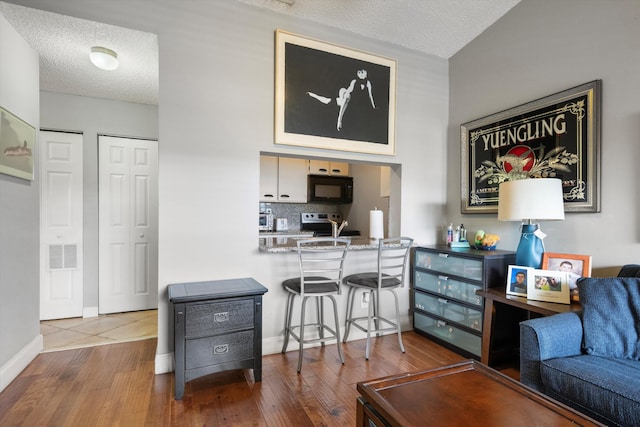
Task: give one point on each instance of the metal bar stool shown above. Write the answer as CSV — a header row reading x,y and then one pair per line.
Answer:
x,y
321,262
393,254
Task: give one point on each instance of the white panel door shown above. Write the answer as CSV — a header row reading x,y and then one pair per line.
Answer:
x,y
128,200
60,225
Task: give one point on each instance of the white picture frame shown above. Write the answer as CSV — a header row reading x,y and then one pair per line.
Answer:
x,y
332,97
548,286
517,280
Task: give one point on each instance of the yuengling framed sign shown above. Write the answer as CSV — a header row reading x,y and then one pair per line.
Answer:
x,y
553,137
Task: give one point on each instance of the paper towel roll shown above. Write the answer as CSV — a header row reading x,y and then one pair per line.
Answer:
x,y
376,225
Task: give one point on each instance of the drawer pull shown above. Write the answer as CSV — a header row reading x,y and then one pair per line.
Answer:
x,y
441,255
442,301
221,349
443,277
221,317
440,323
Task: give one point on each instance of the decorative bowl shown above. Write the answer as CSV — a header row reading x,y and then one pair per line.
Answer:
x,y
485,248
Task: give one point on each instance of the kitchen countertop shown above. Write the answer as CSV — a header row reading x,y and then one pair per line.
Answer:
x,y
287,244
286,233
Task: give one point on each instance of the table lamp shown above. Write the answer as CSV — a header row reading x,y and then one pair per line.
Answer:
x,y
527,200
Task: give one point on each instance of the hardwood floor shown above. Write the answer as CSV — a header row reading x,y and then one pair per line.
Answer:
x,y
115,385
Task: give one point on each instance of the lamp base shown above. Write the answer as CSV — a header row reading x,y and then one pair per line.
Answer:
x,y
530,248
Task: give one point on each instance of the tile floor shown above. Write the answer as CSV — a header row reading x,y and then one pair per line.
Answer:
x,y
65,334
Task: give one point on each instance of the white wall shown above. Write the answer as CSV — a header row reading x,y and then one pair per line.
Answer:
x,y
216,115
367,195
541,47
20,338
93,116
206,225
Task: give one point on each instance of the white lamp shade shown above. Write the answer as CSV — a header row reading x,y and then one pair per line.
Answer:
x,y
103,58
526,199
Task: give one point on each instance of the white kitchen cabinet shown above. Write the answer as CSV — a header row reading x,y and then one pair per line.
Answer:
x,y
325,167
292,180
268,179
283,179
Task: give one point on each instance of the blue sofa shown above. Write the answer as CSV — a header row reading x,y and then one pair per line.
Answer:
x,y
589,361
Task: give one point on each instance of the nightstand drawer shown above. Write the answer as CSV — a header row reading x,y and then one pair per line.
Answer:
x,y
219,349
466,316
448,333
448,287
218,317
446,263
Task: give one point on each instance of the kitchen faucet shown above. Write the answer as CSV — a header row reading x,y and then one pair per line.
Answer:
x,y
335,230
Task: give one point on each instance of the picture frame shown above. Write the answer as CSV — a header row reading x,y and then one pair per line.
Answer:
x,y
332,97
17,144
558,136
548,286
517,280
574,265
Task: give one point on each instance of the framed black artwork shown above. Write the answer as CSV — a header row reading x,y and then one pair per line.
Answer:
x,y
331,97
553,137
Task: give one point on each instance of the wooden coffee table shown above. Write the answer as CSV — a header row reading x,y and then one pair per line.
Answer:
x,y
465,394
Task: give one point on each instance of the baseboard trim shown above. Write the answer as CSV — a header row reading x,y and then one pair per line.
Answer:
x,y
10,370
90,312
164,363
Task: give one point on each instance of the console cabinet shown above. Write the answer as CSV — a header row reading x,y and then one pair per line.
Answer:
x,y
446,307
217,327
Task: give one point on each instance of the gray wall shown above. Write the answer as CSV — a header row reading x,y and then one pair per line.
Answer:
x,y
541,47
93,116
216,116
19,211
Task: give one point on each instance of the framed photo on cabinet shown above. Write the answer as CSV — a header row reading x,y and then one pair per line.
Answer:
x,y
575,266
549,286
332,97
517,280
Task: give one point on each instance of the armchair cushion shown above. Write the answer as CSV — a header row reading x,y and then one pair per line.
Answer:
x,y
603,388
611,316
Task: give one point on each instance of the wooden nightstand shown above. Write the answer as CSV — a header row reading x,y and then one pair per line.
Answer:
x,y
217,327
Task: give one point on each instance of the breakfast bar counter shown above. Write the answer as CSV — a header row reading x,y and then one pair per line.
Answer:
x,y
287,244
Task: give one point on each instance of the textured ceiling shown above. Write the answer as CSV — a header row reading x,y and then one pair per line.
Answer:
x,y
435,27
64,44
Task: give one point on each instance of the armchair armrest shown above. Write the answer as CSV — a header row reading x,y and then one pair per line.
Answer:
x,y
546,338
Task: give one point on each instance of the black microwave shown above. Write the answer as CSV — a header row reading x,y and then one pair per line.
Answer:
x,y
330,189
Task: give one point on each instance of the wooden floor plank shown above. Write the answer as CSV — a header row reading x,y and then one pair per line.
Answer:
x,y
115,385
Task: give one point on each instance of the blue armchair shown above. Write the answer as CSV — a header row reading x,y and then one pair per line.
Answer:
x,y
589,361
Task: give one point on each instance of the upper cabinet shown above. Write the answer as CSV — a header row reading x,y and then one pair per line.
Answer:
x,y
268,179
283,179
325,167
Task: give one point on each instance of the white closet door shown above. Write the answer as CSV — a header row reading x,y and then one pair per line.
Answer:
x,y
128,218
60,225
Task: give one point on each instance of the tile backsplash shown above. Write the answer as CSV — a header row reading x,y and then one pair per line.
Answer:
x,y
292,211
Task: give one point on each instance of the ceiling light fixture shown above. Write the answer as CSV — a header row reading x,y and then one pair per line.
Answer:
x,y
103,58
